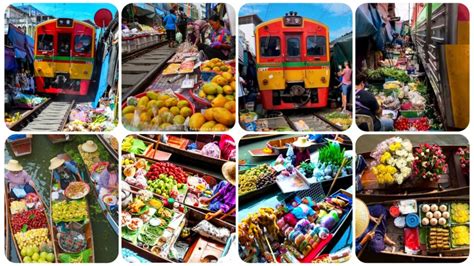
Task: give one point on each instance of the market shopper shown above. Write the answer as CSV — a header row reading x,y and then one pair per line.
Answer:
x,y
220,40
367,104
182,23
196,31
223,199
64,171
18,180
170,27
346,83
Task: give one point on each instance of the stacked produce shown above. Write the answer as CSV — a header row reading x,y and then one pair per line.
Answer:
x,y
156,111
460,235
30,230
69,211
256,178
438,238
162,169
460,213
343,120
165,186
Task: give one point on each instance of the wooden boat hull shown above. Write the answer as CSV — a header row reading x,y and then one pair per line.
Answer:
x,y
453,184
211,180
9,231
193,214
21,147
87,230
455,255
109,216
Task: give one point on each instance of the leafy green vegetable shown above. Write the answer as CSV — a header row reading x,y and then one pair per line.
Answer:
x,y
331,154
307,168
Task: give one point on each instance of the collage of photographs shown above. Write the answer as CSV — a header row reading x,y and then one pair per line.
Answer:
x,y
230,132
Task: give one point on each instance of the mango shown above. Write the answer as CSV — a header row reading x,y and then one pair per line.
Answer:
x,y
228,76
210,97
128,109
171,102
167,117
230,97
145,117
230,105
220,127
196,121
209,88
182,103
178,120
152,95
128,117
202,94
224,116
165,126
143,101
208,114
228,89
185,111
208,126
163,110
174,110
219,101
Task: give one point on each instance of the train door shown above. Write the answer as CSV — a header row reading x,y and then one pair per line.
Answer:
x,y
293,58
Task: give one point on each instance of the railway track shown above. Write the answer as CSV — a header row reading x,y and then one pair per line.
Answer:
x,y
140,68
49,116
315,121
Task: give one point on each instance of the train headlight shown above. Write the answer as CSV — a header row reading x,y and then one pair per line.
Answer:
x,y
265,82
323,79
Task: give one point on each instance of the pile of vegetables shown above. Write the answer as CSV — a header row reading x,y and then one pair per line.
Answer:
x,y
388,72
307,168
33,237
30,219
170,169
165,185
69,211
332,154
256,178
133,145
344,120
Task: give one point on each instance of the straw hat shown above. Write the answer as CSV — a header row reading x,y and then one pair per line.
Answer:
x,y
228,171
55,163
362,217
13,165
302,142
89,146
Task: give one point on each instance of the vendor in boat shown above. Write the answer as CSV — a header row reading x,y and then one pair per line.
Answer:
x,y
301,151
223,198
371,228
108,179
19,181
64,171
367,104
220,40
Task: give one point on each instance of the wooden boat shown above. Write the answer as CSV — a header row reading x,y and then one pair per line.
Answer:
x,y
87,228
280,146
211,180
111,216
452,255
58,138
455,182
9,231
193,217
21,146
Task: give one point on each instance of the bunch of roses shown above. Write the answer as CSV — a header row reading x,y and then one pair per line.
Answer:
x,y
430,162
463,154
393,160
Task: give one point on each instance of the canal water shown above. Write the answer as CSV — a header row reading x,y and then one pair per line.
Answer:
x,y
36,164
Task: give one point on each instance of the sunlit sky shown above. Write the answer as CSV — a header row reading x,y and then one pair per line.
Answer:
x,y
77,11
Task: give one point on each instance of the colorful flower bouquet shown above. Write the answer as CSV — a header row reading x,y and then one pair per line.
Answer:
x,y
430,162
463,154
393,161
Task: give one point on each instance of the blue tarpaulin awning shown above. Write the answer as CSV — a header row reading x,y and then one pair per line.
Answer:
x,y
18,39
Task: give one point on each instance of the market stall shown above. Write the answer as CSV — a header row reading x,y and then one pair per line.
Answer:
x,y
294,210
189,95
199,204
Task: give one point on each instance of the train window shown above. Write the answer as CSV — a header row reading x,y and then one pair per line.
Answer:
x,y
270,46
64,44
316,45
293,46
45,42
82,44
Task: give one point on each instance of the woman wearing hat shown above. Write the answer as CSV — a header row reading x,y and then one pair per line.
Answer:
x,y
223,198
19,181
64,171
369,229
301,151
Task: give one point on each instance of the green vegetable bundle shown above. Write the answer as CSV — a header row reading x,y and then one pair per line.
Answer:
x,y
332,154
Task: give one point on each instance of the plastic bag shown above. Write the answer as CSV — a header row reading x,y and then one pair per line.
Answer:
x,y
211,150
206,229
